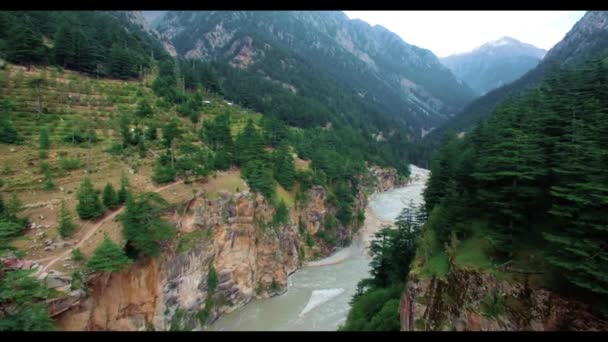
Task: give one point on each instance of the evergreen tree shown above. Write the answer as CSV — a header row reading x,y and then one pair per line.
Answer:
x,y
281,215
48,179
8,133
125,131
163,172
170,132
142,226
284,167
43,140
65,226
63,49
108,257
89,206
123,192
248,144
24,45
143,109
109,196
25,296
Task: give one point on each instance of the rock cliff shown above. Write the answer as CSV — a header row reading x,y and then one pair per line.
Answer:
x,y
234,235
477,301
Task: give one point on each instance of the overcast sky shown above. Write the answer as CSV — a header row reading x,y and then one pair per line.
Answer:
x,y
449,32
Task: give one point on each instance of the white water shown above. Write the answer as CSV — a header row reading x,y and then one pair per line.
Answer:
x,y
318,295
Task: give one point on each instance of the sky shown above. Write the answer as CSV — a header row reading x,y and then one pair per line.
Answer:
x,y
449,32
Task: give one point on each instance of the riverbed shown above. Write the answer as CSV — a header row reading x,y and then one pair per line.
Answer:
x,y
318,295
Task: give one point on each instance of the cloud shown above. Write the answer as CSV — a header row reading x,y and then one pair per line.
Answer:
x,y
449,32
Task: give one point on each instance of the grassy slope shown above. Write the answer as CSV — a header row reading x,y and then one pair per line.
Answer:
x,y
69,95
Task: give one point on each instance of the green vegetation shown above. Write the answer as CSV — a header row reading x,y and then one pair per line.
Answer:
x,y
109,197
87,41
8,132
531,177
48,178
65,226
89,206
142,227
281,215
376,302
187,241
211,279
108,257
77,255
43,143
24,297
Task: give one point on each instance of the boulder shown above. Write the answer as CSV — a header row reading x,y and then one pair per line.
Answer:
x,y
57,280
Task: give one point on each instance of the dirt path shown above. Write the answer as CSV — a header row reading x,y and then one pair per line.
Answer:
x,y
91,231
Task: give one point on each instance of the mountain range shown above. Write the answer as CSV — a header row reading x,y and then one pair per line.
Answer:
x,y
494,64
305,51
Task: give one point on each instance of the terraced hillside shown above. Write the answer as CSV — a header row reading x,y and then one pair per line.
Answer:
x,y
74,102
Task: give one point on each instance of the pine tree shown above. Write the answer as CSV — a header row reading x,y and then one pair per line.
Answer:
x,y
25,296
108,257
163,172
125,132
142,226
170,132
109,197
281,214
143,109
89,206
63,49
248,144
123,192
65,226
8,133
284,167
48,180
43,140
24,45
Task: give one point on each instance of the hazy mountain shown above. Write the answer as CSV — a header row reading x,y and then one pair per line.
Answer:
x,y
297,49
587,39
494,64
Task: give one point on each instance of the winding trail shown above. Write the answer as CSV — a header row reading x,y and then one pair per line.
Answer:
x,y
91,231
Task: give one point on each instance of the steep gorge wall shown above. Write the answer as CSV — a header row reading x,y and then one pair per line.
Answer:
x,y
233,233
475,301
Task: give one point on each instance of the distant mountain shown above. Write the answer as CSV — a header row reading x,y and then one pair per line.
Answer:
x,y
494,64
325,57
153,17
588,39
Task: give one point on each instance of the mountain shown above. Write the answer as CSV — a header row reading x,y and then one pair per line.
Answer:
x,y
587,39
326,58
153,17
494,64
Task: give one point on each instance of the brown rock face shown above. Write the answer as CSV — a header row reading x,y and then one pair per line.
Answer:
x,y
232,233
385,179
124,300
473,301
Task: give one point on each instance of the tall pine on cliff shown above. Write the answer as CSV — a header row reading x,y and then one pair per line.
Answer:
x,y
534,171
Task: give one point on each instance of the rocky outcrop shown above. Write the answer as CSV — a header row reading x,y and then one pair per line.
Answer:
x,y
234,235
384,178
475,301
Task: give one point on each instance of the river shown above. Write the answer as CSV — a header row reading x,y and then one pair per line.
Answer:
x,y
318,295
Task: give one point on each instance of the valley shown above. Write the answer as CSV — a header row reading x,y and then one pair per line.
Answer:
x,y
299,171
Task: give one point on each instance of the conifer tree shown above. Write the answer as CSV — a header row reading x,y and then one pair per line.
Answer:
x,y
123,192
89,206
284,167
108,257
65,226
109,196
